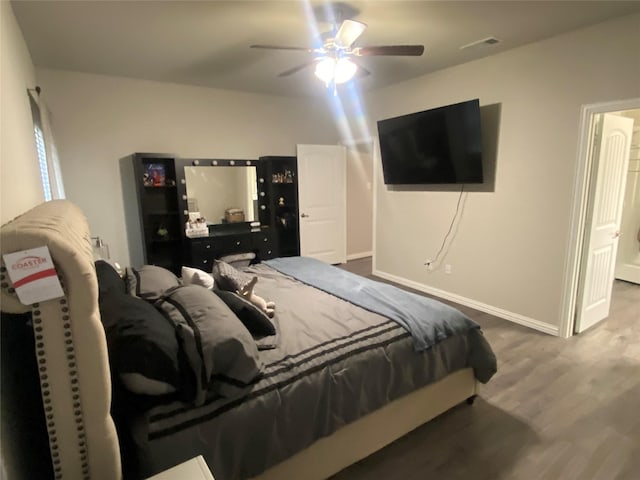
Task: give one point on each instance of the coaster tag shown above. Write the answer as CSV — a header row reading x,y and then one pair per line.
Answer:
x,y
33,275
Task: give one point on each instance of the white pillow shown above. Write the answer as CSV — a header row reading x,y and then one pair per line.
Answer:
x,y
194,276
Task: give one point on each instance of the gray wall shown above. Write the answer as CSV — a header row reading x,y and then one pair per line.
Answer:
x,y
20,187
509,250
100,119
359,200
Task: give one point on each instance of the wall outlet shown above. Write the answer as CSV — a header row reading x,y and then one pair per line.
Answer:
x,y
447,268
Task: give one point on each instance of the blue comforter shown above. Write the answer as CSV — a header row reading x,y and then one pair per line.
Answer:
x,y
428,321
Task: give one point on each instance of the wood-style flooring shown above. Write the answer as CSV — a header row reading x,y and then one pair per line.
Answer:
x,y
558,409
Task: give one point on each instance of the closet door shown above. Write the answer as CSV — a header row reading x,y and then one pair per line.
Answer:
x,y
628,258
611,159
322,193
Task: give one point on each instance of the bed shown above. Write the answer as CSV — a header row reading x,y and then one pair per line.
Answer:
x,y
338,379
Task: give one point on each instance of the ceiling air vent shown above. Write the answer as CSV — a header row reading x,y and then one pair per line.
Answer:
x,y
484,41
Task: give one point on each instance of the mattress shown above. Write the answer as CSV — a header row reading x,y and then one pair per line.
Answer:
x,y
335,362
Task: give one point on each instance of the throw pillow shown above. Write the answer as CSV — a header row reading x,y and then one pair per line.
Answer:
x,y
142,344
256,321
229,278
220,350
194,276
149,281
108,278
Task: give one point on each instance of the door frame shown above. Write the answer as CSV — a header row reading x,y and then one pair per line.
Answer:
x,y
582,194
370,143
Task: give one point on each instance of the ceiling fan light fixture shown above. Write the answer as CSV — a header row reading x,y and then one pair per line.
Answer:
x,y
325,68
345,70
338,71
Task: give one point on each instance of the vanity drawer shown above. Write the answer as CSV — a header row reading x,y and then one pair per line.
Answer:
x,y
227,244
265,244
202,253
203,247
202,262
205,250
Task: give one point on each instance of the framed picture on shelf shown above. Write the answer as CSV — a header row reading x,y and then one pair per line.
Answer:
x,y
154,175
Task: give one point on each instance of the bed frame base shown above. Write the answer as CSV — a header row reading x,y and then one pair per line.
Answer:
x,y
369,434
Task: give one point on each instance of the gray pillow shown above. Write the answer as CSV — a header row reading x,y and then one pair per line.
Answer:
x,y
108,278
229,278
149,281
262,328
220,350
143,348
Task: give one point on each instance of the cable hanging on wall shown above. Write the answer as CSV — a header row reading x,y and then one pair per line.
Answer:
x,y
431,264
36,89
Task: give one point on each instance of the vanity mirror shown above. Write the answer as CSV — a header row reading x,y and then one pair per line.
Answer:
x,y
222,191
229,194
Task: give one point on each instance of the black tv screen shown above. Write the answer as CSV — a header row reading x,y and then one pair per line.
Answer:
x,y
441,145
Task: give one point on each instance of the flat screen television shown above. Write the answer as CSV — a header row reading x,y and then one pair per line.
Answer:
x,y
440,145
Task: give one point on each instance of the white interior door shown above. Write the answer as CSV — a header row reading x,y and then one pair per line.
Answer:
x,y
628,258
611,157
322,199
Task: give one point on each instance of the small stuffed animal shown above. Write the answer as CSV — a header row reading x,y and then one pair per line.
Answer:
x,y
258,301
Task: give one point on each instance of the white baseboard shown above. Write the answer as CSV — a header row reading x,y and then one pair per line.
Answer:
x,y
467,302
356,256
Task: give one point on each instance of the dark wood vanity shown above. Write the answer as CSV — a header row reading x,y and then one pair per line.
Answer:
x,y
163,192
204,250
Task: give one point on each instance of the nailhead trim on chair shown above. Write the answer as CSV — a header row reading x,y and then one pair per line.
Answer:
x,y
44,388
4,281
46,393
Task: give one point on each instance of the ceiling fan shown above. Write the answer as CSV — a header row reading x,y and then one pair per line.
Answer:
x,y
333,59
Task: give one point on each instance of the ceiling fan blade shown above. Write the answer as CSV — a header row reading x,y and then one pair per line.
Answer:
x,y
279,47
399,50
349,32
362,72
296,69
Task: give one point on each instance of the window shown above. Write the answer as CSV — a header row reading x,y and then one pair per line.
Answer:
x,y
47,157
42,160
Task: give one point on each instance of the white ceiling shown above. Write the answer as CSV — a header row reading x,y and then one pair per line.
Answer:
x,y
206,43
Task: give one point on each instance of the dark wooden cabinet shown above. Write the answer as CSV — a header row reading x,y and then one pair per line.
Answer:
x,y
265,244
156,210
278,192
206,249
151,210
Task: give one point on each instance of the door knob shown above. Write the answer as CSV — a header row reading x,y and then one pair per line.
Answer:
x,y
616,234
304,215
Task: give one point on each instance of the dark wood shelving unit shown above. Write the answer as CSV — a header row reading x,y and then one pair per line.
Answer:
x,y
152,214
278,185
156,214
